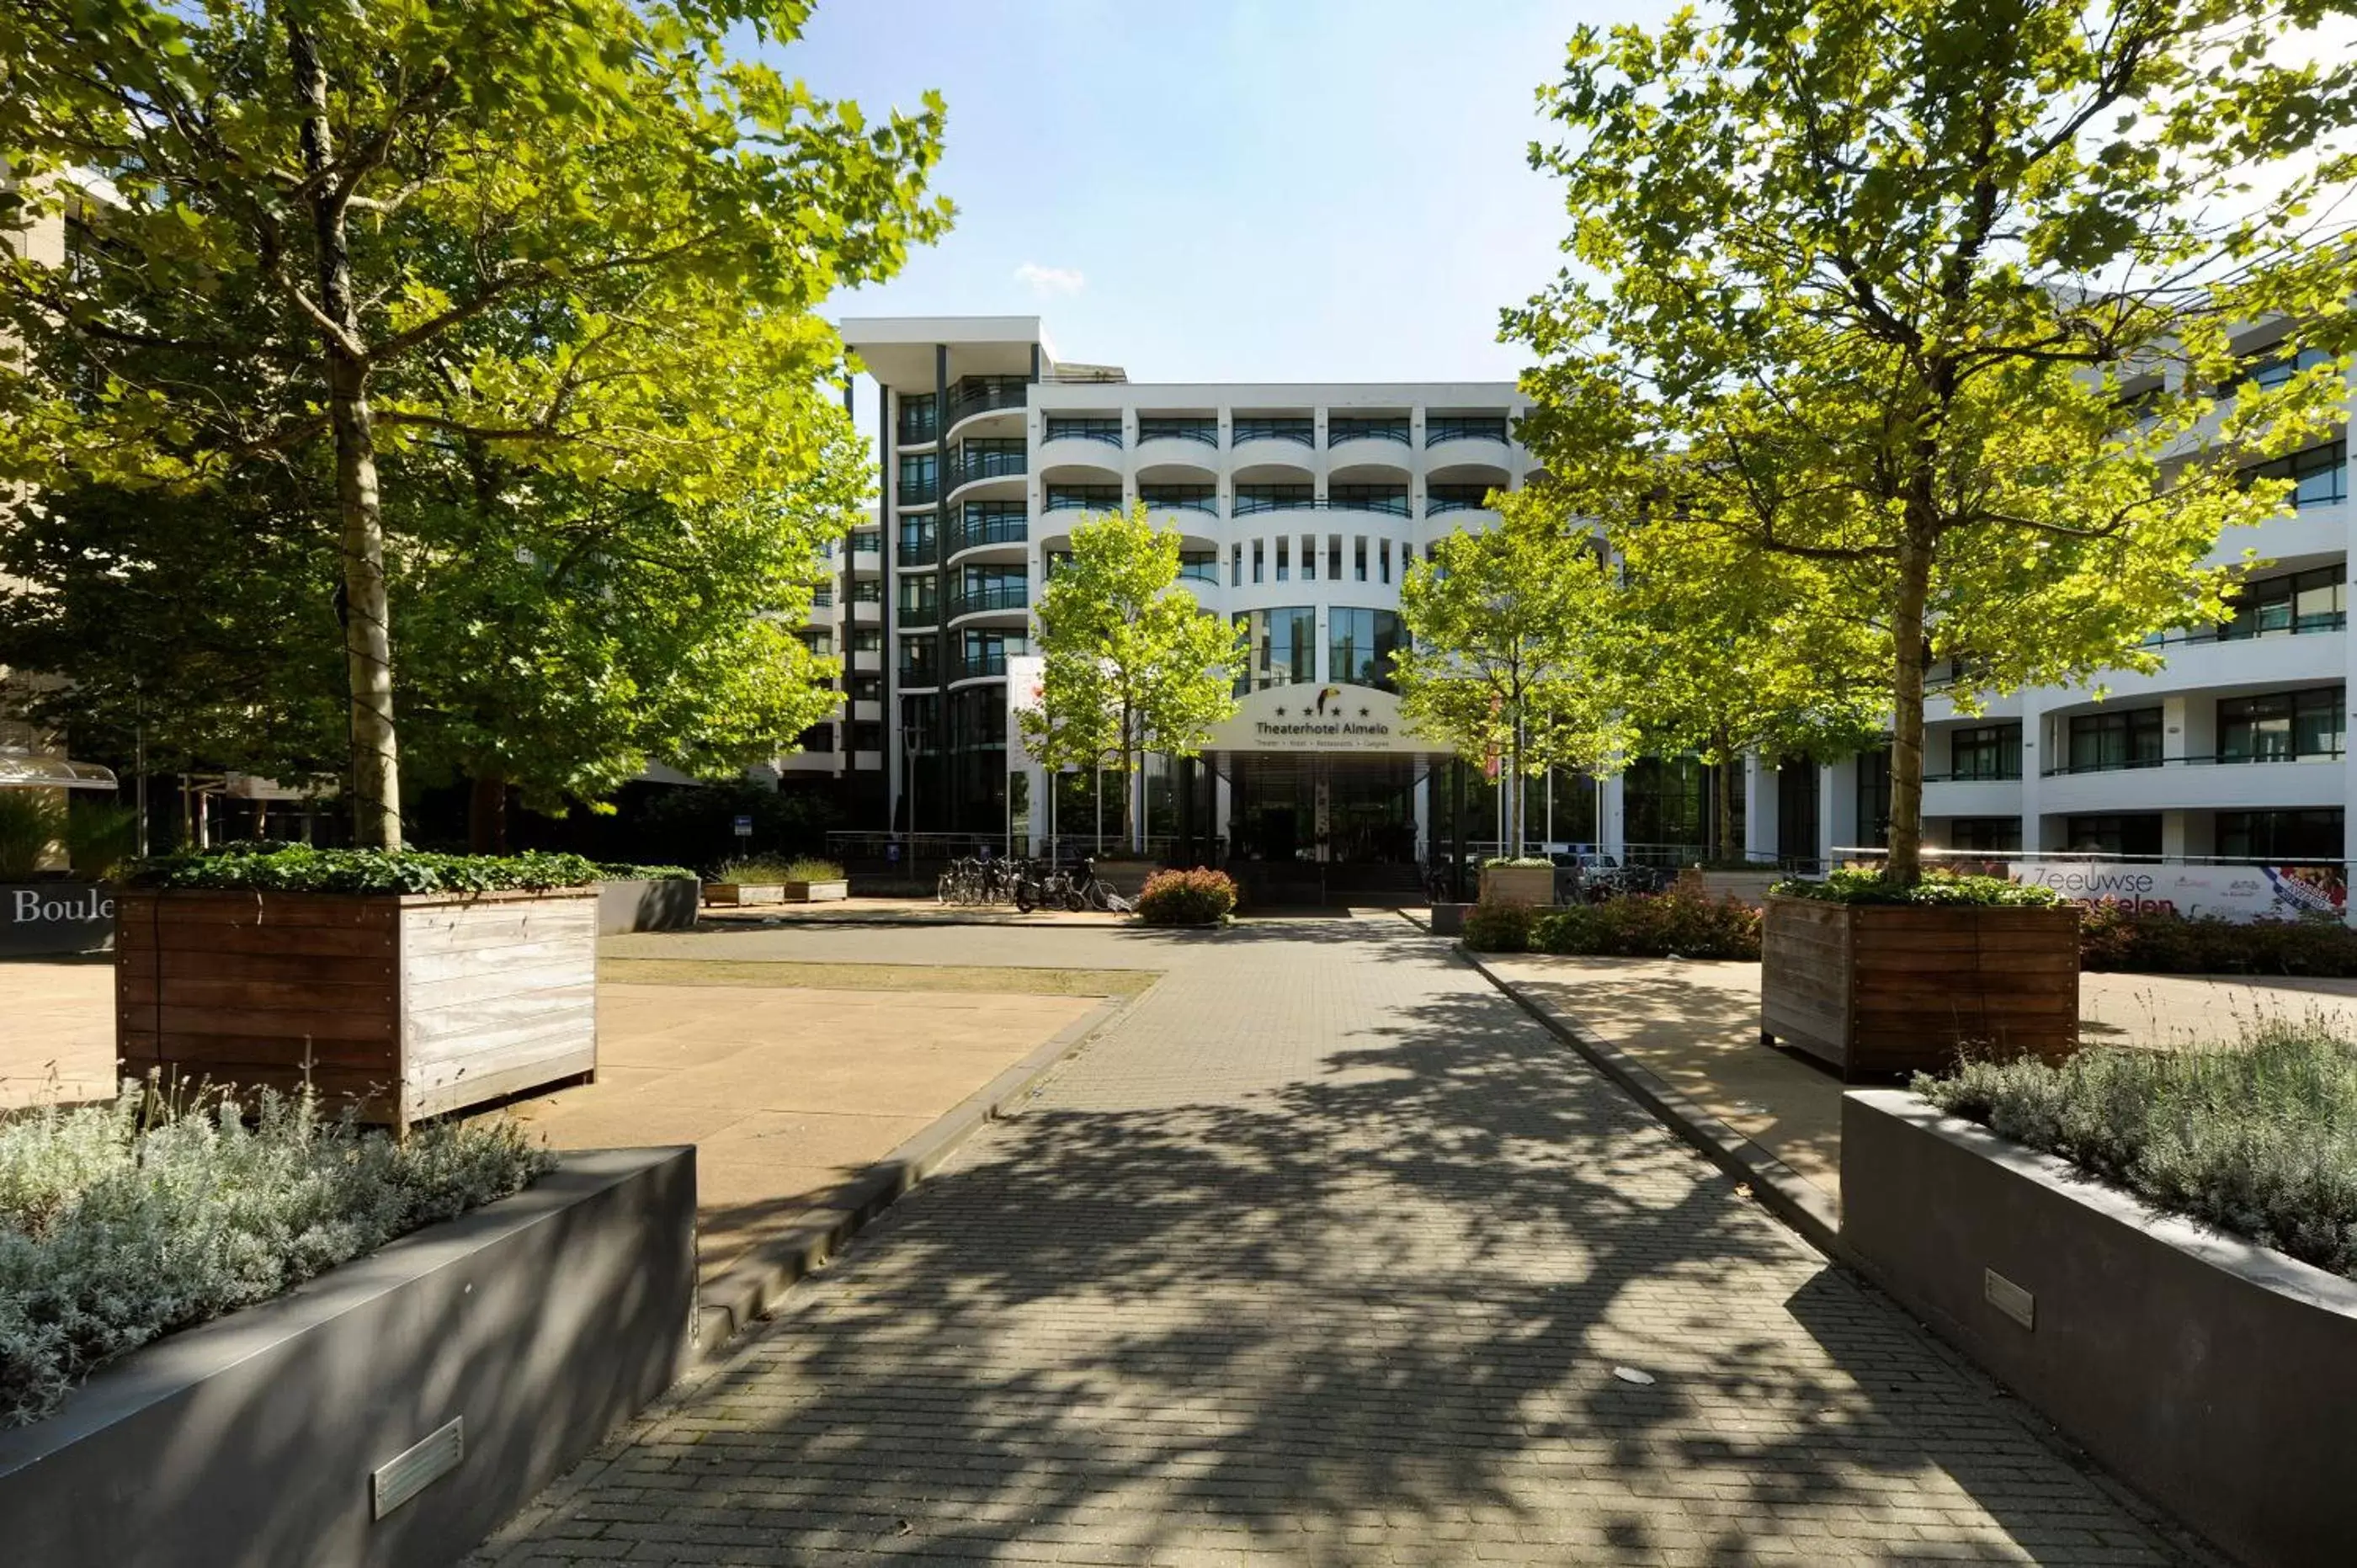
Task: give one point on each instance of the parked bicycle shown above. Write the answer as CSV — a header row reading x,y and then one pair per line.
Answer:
x,y
975,880
1039,886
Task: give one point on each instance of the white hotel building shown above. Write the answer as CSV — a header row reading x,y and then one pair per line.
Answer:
x,y
1299,507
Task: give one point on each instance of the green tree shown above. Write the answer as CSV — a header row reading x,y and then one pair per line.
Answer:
x,y
582,237
1941,297
1514,634
558,646
1132,663
1752,667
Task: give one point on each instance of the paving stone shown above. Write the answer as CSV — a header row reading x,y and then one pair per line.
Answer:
x,y
1325,1254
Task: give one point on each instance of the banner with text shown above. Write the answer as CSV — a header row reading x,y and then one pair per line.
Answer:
x,y
2241,893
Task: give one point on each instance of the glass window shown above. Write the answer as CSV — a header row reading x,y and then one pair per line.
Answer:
x,y
867,639
1874,797
1384,557
2319,476
1200,566
1438,498
1440,427
818,640
920,477
919,417
867,591
1254,498
1204,428
1258,560
1985,751
2000,835
918,543
2136,832
1299,427
1661,808
2101,742
917,661
868,688
1067,427
1391,498
1236,567
818,737
919,591
2281,725
2279,367
2281,835
867,540
1181,497
1359,557
1342,427
2288,605
1360,645
1284,549
1082,497
1282,649
1333,557
867,736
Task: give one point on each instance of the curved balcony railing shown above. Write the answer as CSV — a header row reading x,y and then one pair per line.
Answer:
x,y
993,460
919,550
914,618
1300,429
1465,427
917,492
1107,431
997,596
986,395
1177,428
1082,497
1439,499
2221,759
981,522
1204,498
1249,503
976,666
1347,427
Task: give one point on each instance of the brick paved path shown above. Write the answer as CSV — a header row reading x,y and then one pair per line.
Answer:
x,y
1326,1255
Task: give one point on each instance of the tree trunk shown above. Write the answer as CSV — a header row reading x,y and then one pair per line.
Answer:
x,y
1905,866
486,814
1729,847
368,640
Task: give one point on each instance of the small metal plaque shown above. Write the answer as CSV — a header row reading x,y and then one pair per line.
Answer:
x,y
412,1470
2010,1299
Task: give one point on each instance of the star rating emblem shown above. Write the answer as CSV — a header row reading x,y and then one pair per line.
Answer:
x,y
1362,713
1280,713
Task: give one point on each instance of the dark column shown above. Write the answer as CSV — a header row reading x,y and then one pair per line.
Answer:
x,y
1186,855
938,745
1457,828
887,521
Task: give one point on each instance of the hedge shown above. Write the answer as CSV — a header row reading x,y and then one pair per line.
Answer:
x,y
2114,936
1852,885
302,868
1682,923
1197,898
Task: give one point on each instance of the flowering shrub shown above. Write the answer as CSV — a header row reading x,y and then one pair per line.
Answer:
x,y
2112,937
1498,925
1197,898
1684,922
119,1223
2257,1138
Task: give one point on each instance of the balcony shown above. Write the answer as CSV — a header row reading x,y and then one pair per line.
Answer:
x,y
980,665
2196,783
916,492
1440,499
919,549
915,618
1342,429
2314,650
986,460
986,395
1441,428
1958,795
1204,498
1082,497
1107,432
1202,429
978,523
1300,429
920,676
1387,500
994,598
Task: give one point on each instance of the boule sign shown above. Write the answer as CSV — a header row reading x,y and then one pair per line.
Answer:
x,y
56,917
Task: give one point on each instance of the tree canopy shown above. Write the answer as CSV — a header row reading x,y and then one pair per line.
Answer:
x,y
1512,660
1131,663
1945,301
578,245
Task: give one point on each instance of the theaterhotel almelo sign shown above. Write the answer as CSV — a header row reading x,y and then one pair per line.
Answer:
x,y
1328,719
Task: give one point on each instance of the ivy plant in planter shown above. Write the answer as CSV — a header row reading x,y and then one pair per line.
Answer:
x,y
410,984
1876,977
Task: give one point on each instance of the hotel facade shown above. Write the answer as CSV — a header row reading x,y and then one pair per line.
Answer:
x,y
1299,508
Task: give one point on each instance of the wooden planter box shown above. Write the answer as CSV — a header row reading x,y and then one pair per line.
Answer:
x,y
1894,988
1532,885
817,892
505,1343
414,1004
2217,1376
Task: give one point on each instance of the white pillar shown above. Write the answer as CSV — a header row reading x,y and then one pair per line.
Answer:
x,y
1837,810
1611,834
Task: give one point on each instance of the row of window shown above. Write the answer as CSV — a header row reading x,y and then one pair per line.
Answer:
x,y
972,652
2277,726
1299,428
1253,500
1281,646
1273,560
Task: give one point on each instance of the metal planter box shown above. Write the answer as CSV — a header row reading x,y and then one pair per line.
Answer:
x,y
414,1004
2218,1376
1895,988
279,1434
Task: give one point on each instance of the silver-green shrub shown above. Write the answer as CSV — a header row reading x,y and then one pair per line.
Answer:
x,y
123,1222
2257,1138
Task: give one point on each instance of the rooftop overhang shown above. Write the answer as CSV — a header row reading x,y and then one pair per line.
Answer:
x,y
897,351
36,770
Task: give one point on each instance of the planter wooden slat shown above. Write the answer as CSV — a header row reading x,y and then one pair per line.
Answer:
x,y
1879,989
494,994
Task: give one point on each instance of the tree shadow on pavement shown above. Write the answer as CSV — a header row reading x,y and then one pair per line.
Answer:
x,y
1391,1306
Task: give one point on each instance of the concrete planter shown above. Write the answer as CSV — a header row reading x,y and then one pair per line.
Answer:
x,y
816,892
537,1325
641,904
2218,1376
1751,886
409,1003
1893,988
743,893
59,916
1449,919
1532,885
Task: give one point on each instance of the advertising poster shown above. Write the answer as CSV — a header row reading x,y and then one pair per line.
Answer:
x,y
2239,893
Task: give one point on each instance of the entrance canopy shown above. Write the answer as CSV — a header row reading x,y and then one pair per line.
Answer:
x,y
1329,720
35,769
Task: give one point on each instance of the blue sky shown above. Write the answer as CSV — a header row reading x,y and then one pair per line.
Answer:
x,y
1226,189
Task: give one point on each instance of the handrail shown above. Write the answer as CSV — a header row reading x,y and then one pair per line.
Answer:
x,y
1300,429
1178,427
1105,430
1467,427
1349,428
1162,499
1251,505
984,394
2224,759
